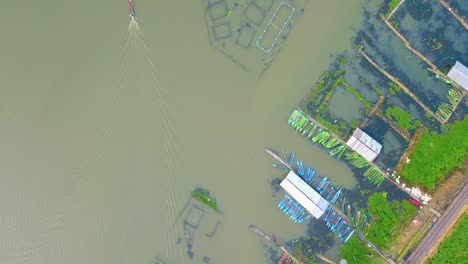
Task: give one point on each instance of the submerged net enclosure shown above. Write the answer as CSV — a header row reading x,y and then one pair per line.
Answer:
x,y
251,32
433,30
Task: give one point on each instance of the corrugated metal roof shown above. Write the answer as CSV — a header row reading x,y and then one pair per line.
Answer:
x,y
459,74
365,145
305,195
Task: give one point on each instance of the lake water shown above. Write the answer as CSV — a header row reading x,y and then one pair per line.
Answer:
x,y
98,159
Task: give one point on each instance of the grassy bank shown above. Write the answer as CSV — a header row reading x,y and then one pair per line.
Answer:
x,y
453,249
355,252
436,154
387,219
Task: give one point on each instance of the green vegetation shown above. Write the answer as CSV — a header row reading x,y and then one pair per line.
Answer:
x,y
376,89
348,87
403,119
393,88
453,249
355,123
392,5
374,176
342,60
329,94
332,127
433,43
355,252
204,197
435,155
387,219
445,109
394,24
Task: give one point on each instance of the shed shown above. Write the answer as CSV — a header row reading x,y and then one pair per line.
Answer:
x,y
305,195
459,74
364,144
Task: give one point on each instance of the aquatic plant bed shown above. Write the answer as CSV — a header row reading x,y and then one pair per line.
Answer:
x,y
335,103
251,33
204,197
315,133
436,154
433,31
453,248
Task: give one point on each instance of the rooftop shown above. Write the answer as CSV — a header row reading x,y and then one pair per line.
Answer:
x,y
459,74
364,144
305,195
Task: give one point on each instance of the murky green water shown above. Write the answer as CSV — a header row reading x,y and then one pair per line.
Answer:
x,y
90,173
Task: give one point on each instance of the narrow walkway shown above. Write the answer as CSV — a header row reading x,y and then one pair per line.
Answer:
x,y
408,45
459,18
395,9
402,86
439,230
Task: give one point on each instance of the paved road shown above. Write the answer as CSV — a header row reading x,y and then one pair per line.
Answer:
x,y
434,235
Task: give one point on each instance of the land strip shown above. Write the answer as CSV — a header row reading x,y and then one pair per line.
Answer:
x,y
440,229
395,9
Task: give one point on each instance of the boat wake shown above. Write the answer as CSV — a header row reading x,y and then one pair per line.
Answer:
x,y
137,38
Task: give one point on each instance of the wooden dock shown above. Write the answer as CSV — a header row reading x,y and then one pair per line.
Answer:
x,y
276,242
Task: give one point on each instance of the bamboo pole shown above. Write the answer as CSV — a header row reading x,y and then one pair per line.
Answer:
x,y
408,45
402,86
459,18
394,10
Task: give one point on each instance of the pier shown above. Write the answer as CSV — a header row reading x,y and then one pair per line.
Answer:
x,y
403,87
344,144
333,207
275,242
408,46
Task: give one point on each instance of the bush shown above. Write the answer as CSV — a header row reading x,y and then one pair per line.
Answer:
x,y
435,155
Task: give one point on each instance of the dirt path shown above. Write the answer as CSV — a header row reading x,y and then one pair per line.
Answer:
x,y
438,231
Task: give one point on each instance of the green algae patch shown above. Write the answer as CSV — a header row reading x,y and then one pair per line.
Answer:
x,y
204,197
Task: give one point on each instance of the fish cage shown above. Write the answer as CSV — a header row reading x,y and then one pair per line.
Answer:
x,y
251,32
394,144
433,31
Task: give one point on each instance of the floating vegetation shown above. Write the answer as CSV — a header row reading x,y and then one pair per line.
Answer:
x,y
445,109
393,88
392,5
348,87
374,176
433,44
357,160
404,120
204,197
338,151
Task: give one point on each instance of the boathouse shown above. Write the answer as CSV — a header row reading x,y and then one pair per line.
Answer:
x,y
459,74
305,195
364,144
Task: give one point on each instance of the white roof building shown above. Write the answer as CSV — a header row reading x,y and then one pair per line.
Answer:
x,y
363,144
305,195
459,74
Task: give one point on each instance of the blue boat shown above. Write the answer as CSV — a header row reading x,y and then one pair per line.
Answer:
x,y
336,196
324,187
330,193
322,182
291,158
349,236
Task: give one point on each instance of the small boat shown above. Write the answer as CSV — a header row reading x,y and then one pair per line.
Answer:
x,y
322,182
349,236
336,196
416,203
